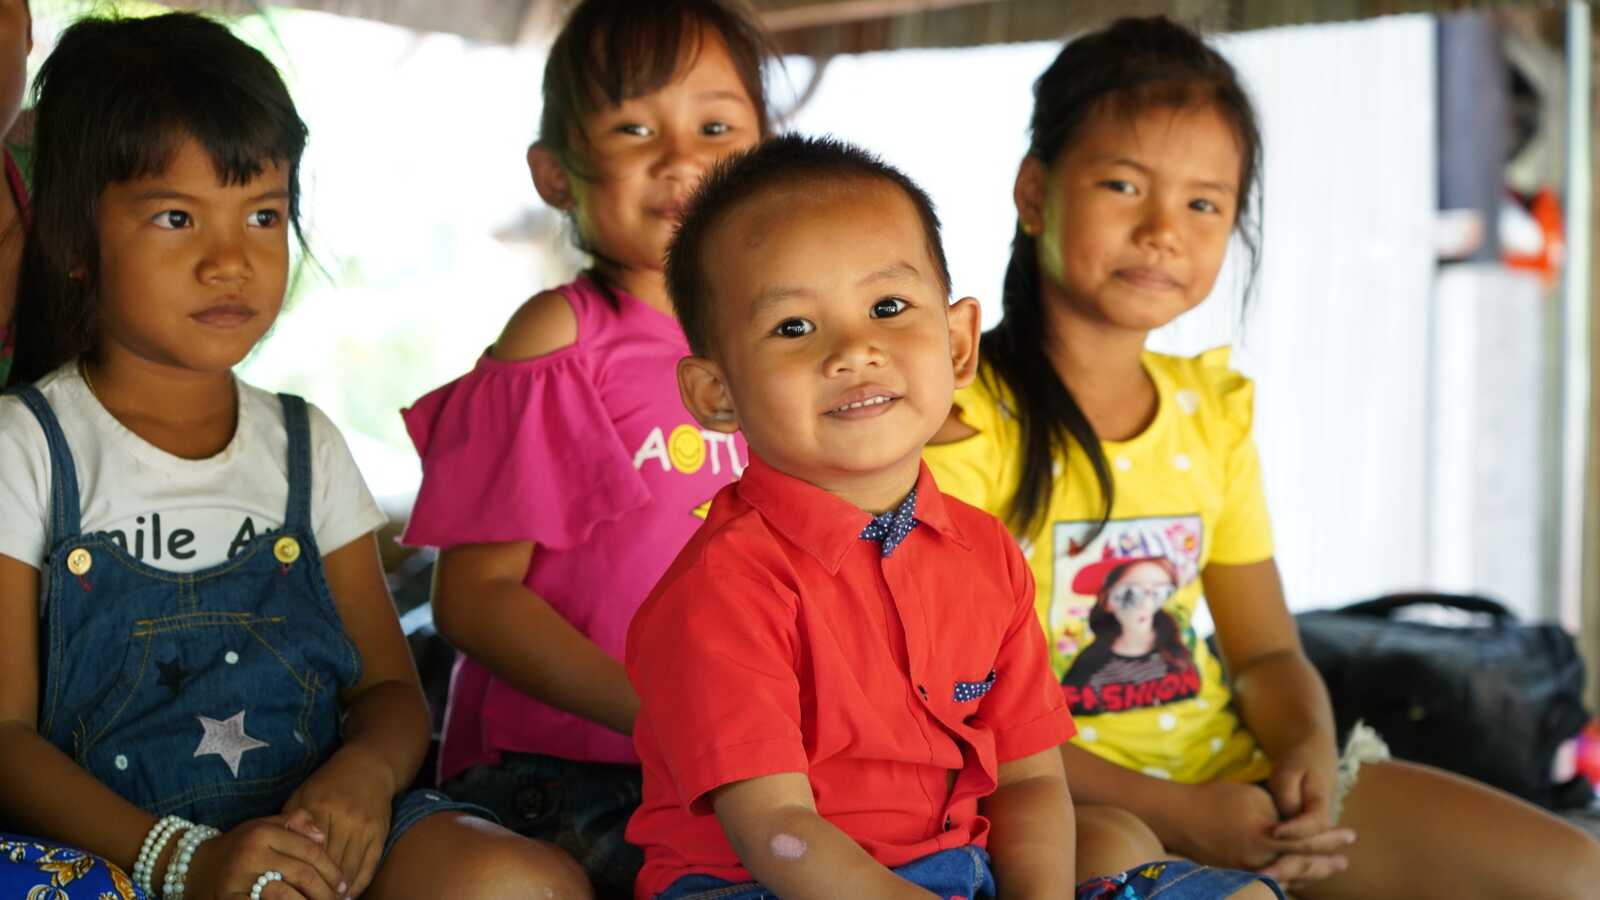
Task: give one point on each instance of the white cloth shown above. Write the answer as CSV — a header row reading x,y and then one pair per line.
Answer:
x,y
175,514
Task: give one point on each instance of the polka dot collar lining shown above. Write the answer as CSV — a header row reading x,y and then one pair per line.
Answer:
x,y
891,528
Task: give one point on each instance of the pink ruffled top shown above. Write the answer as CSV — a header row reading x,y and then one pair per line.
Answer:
x,y
589,453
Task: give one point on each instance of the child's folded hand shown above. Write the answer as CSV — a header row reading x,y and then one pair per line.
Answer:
x,y
291,845
1303,782
1234,825
1229,825
1292,869
350,799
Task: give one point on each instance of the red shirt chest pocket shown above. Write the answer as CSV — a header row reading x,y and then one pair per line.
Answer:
x,y
971,691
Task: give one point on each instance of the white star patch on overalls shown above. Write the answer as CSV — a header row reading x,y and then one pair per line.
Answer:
x,y
226,738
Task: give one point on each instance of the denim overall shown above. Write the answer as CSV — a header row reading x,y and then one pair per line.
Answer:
x,y
210,695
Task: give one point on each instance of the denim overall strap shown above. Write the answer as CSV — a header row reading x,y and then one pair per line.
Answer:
x,y
64,504
297,424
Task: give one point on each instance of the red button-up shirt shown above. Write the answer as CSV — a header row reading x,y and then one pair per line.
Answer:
x,y
780,641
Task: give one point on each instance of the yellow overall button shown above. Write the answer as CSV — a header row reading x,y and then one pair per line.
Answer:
x,y
287,550
79,561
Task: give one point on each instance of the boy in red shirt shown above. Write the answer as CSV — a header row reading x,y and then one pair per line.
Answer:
x,y
844,688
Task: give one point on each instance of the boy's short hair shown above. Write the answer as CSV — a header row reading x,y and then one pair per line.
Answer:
x,y
786,161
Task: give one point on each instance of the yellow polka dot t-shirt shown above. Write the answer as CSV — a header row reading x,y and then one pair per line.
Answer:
x,y
1118,609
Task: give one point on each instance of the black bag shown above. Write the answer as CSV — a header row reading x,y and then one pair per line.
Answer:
x,y
1491,702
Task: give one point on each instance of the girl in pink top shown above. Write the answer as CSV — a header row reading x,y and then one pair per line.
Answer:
x,y
562,474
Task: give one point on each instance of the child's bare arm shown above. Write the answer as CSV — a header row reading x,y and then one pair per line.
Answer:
x,y
1284,703
1032,839
386,724
1280,696
43,792
483,608
1154,800
385,712
773,825
539,327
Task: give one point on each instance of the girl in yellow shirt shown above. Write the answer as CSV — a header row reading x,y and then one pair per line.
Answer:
x,y
1132,483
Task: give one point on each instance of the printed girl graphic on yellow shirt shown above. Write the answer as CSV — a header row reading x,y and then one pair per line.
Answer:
x,y
1120,623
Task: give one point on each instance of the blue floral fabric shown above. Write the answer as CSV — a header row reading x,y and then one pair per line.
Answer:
x,y
36,870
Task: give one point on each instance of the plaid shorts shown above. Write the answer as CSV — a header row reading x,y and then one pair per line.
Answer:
x,y
581,807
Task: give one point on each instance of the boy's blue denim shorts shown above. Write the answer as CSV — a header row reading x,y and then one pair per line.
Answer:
x,y
1174,879
964,874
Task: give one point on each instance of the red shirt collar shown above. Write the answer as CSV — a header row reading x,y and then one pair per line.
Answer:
x,y
824,525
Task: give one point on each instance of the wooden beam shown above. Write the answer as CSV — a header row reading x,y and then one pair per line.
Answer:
x,y
836,12
490,21
826,27
822,27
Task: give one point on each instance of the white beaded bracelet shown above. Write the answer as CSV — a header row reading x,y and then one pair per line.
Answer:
x,y
150,852
178,870
266,878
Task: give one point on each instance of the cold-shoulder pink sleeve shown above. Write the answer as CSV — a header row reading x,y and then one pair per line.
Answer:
x,y
519,451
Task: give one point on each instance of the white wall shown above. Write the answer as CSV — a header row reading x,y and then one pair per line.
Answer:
x,y
1491,454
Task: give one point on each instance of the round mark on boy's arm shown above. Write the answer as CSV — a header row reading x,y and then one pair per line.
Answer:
x,y
787,846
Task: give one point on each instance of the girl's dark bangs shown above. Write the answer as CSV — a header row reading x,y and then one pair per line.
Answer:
x,y
241,135
640,55
1182,94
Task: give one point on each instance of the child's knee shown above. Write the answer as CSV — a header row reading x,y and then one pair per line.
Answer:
x,y
553,872
1574,869
480,861
516,867
1110,823
1113,840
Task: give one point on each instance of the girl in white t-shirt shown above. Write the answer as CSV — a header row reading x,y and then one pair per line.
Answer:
x,y
202,678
